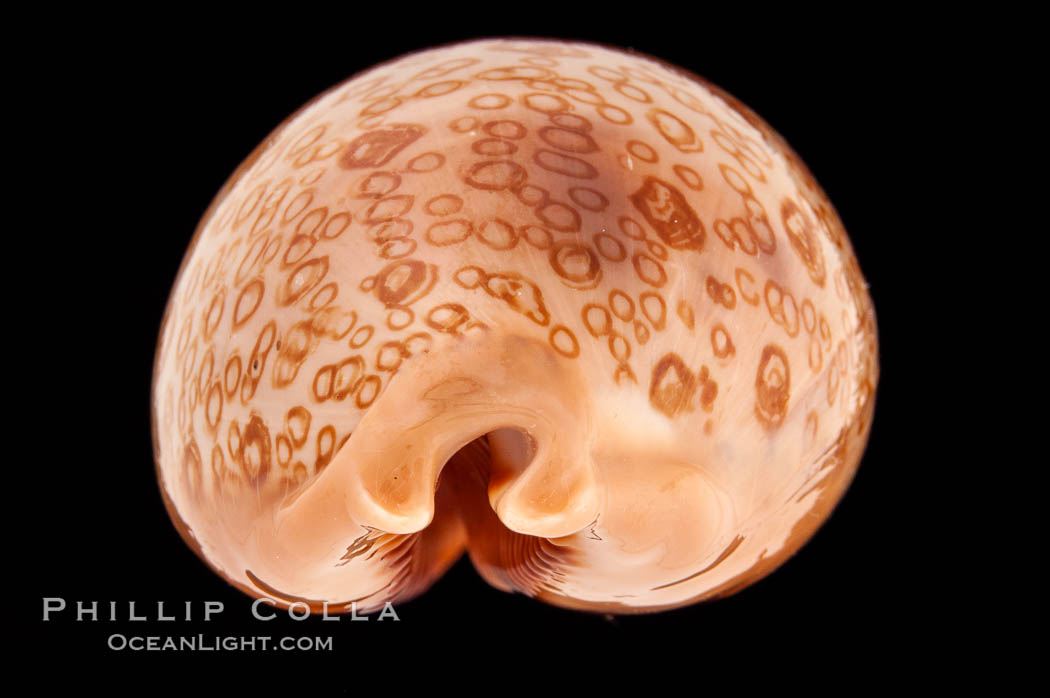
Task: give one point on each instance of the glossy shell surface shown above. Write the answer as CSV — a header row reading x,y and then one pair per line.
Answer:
x,y
563,307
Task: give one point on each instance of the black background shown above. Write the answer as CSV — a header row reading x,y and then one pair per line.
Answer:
x,y
139,125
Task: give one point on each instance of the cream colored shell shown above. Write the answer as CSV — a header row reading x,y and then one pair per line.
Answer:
x,y
562,306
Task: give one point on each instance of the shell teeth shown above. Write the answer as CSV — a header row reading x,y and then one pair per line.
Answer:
x,y
507,559
485,433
